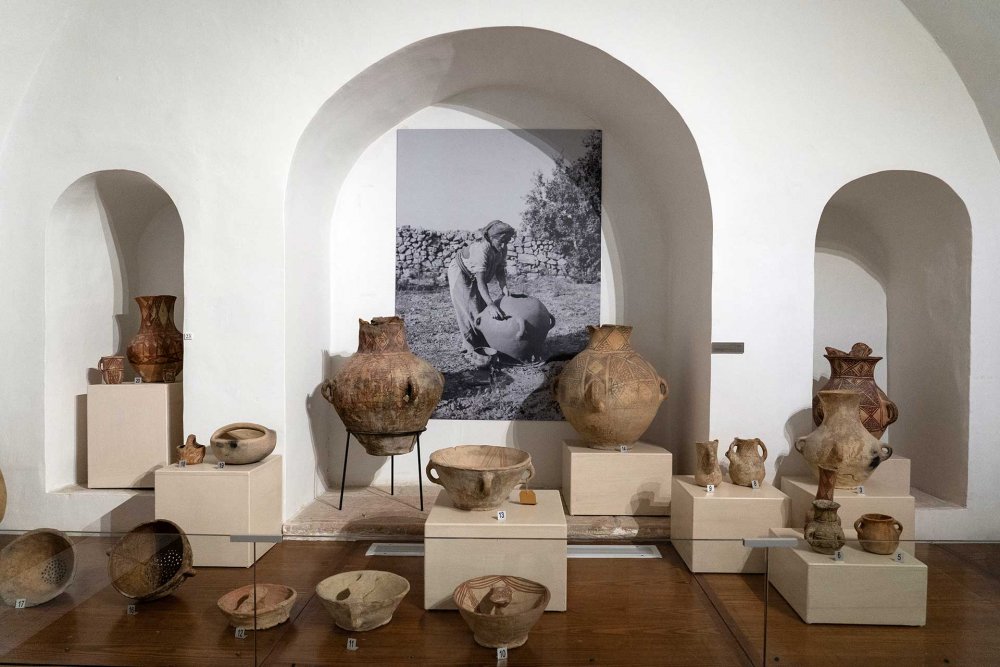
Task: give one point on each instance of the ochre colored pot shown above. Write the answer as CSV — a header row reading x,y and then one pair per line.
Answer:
x,y
878,533
707,470
824,533
157,351
855,370
479,477
746,464
521,335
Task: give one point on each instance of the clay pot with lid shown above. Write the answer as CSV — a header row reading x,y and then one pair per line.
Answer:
x,y
855,371
384,394
479,477
157,350
746,463
878,533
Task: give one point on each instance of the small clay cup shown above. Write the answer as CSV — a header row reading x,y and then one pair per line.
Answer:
x,y
112,369
878,533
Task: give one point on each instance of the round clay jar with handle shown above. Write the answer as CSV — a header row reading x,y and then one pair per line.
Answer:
x,y
112,369
746,464
878,533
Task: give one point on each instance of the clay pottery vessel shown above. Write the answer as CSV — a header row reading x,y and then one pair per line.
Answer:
x,y
479,477
825,489
609,393
269,604
150,561
842,442
878,533
242,443
112,369
157,351
191,452
363,599
36,567
824,533
746,463
707,470
501,610
521,335
3,496
384,394
855,370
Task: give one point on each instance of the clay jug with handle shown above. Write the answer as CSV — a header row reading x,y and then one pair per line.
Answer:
x,y
746,463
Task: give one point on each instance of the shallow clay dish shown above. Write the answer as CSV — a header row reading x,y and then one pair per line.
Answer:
x,y
150,561
243,443
36,567
479,477
273,604
362,599
501,610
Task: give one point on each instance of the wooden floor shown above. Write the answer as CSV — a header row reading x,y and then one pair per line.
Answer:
x,y
622,612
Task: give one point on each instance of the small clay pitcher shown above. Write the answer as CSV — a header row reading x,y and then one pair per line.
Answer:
x,y
708,471
878,533
824,533
112,369
745,463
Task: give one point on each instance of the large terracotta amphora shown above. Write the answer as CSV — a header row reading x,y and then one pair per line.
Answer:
x,y
842,442
521,335
384,393
855,370
746,463
609,393
157,351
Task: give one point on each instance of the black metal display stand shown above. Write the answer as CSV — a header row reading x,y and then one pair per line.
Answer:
x,y
392,466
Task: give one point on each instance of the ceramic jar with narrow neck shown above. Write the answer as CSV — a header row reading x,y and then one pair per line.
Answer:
x,y
824,533
157,350
855,371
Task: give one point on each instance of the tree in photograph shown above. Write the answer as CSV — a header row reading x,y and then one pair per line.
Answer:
x,y
565,209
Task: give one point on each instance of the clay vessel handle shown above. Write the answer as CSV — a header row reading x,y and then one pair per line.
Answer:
x,y
764,447
592,400
899,527
190,572
552,321
327,390
531,472
885,451
521,329
555,388
809,533
799,444
664,389
857,526
893,413
100,364
434,478
732,448
487,482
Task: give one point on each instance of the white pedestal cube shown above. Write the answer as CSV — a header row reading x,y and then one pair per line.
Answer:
x,y
862,589
462,544
132,429
707,529
211,505
632,483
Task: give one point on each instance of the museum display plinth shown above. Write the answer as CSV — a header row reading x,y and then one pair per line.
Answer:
x,y
862,589
132,429
707,529
211,505
529,543
632,483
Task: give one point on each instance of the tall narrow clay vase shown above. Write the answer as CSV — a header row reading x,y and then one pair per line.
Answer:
x,y
384,393
157,351
608,392
855,370
707,470
842,442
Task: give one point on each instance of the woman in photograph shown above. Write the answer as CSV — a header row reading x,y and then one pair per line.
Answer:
x,y
474,266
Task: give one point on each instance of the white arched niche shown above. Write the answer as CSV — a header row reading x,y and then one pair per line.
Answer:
x,y
893,269
657,227
112,235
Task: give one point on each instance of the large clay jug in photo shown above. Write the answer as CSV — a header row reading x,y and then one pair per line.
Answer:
x,y
746,463
157,351
521,335
608,392
842,442
855,370
384,393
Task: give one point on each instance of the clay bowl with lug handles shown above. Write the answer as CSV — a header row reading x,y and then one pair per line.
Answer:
x,y
151,561
479,477
362,600
269,604
36,567
501,610
878,533
242,443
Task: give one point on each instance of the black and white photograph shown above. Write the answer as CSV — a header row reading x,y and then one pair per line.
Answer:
x,y
498,261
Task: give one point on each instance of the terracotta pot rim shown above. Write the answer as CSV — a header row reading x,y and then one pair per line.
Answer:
x,y
436,460
542,591
368,602
851,357
881,518
288,598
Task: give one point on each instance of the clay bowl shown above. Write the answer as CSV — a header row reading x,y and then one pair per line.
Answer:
x,y
243,443
362,599
479,477
501,610
36,567
273,604
150,561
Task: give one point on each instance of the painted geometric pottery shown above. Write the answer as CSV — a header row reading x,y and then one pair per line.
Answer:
x,y
384,394
269,604
112,369
607,392
707,469
855,370
3,496
157,351
362,600
243,443
842,442
479,477
824,533
825,489
191,452
745,463
521,335
150,561
878,533
501,610
36,567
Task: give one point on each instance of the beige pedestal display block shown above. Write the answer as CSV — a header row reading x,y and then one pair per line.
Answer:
x,y
862,589
802,491
891,478
211,505
632,483
132,429
707,529
530,542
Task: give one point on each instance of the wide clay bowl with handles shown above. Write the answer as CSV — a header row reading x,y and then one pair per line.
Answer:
x,y
479,477
242,443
